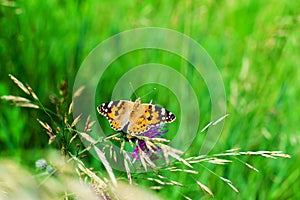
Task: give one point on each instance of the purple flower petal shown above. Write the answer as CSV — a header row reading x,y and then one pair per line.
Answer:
x,y
154,131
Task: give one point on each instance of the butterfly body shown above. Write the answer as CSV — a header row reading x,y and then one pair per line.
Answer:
x,y
134,117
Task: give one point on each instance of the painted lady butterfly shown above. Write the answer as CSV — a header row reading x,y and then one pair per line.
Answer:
x,y
134,117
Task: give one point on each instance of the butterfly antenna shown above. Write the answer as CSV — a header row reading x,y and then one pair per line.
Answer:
x,y
131,87
148,93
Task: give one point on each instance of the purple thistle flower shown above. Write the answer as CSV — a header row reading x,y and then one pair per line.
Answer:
x,y
153,132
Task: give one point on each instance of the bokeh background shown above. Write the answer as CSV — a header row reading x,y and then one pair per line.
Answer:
x,y
254,44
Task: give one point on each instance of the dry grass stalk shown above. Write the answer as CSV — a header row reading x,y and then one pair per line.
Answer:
x,y
27,105
206,127
19,101
219,161
186,197
88,138
45,125
213,123
19,84
126,164
205,188
234,188
159,140
225,179
111,151
166,156
32,93
268,154
196,157
49,131
158,181
156,187
52,139
169,151
210,160
89,173
233,150
141,156
122,146
73,138
76,120
78,92
131,143
66,119
183,170
149,161
15,99
70,110
88,124
219,120
180,159
106,164
145,160
151,146
172,182
251,167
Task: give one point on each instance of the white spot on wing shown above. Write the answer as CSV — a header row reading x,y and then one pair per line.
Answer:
x,y
119,103
110,103
163,111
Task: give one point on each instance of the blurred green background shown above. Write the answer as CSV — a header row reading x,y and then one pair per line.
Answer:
x,y
254,44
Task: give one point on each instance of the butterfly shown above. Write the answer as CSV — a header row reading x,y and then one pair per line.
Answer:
x,y
134,117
